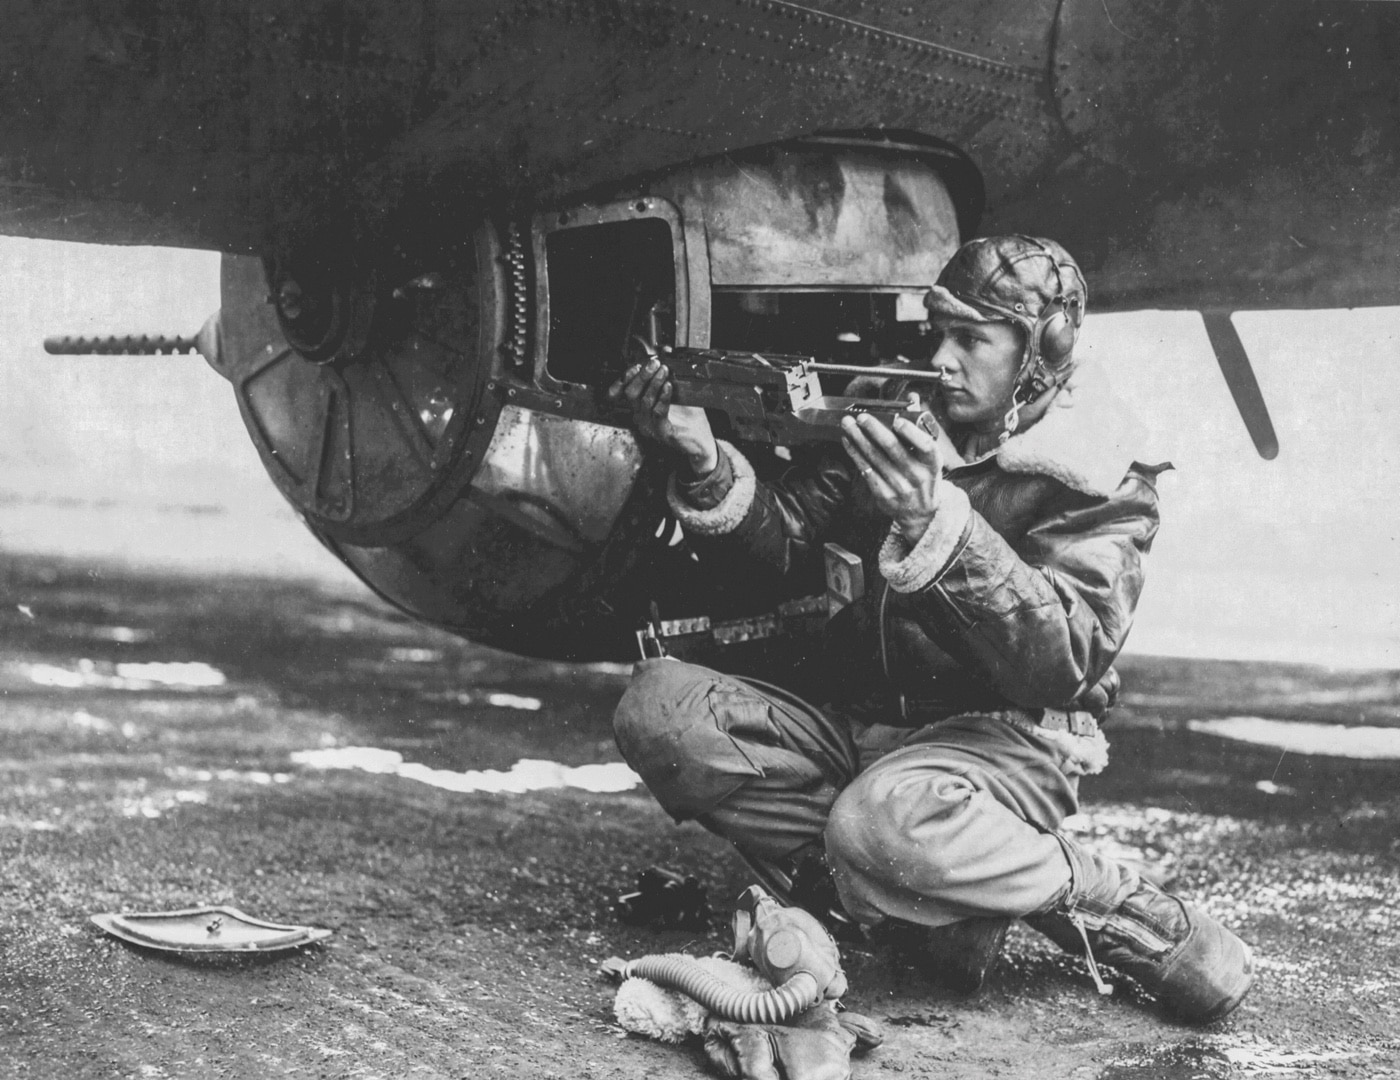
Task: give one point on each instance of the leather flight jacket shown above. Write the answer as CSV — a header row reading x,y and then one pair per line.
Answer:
x,y
1026,592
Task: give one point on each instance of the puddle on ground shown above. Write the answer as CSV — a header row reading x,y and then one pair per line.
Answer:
x,y
1175,1061
158,804
515,701
27,824
609,667
494,698
122,635
1142,836
1296,737
926,1020
92,674
236,776
83,720
528,774
415,656
1232,1057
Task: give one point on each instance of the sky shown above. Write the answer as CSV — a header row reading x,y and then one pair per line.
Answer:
x,y
158,438
1293,559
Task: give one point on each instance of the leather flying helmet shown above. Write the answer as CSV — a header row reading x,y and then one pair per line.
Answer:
x,y
1031,282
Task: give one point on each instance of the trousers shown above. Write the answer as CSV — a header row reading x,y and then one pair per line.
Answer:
x,y
931,825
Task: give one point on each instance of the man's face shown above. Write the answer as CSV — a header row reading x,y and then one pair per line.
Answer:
x,y
982,361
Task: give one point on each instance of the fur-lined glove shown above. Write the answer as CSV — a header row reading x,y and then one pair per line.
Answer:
x,y
813,1046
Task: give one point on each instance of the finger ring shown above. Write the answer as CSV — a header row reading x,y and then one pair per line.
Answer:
x,y
866,472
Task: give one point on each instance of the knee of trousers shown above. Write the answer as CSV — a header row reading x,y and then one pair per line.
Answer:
x,y
666,730
891,830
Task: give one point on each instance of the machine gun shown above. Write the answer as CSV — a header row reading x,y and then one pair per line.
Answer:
x,y
776,398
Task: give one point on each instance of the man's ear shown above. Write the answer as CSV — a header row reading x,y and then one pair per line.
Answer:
x,y
1022,337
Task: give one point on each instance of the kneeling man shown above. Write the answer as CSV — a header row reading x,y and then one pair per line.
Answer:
x,y
1009,548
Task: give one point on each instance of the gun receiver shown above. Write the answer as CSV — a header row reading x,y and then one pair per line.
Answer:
x,y
777,398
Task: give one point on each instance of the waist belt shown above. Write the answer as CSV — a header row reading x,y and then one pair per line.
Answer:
x,y
1076,722
1033,720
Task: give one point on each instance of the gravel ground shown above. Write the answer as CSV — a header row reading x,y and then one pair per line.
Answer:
x,y
468,926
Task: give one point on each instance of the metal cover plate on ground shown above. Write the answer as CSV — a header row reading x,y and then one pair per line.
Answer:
x,y
206,930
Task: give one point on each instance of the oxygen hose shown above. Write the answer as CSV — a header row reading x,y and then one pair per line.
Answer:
x,y
776,1006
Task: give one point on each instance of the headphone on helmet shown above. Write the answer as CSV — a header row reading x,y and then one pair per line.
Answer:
x,y
1050,339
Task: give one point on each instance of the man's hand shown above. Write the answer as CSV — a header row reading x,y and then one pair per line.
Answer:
x,y
685,429
902,468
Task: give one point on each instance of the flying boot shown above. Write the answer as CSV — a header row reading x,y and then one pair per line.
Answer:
x,y
958,956
814,890
804,880
1175,951
962,955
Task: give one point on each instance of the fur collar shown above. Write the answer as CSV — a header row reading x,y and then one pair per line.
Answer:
x,y
1087,439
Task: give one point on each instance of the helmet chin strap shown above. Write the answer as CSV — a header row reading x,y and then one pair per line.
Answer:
x,y
1028,391
1010,420
1029,362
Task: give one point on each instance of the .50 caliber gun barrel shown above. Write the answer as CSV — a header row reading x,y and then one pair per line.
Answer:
x,y
121,345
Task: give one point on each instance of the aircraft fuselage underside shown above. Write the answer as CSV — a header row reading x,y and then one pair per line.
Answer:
x,y
448,435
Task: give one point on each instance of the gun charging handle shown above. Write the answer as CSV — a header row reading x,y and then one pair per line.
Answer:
x,y
912,374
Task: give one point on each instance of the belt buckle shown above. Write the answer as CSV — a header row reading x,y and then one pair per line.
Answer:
x,y
1077,723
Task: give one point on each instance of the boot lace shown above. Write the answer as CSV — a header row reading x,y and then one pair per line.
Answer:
x,y
1105,988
